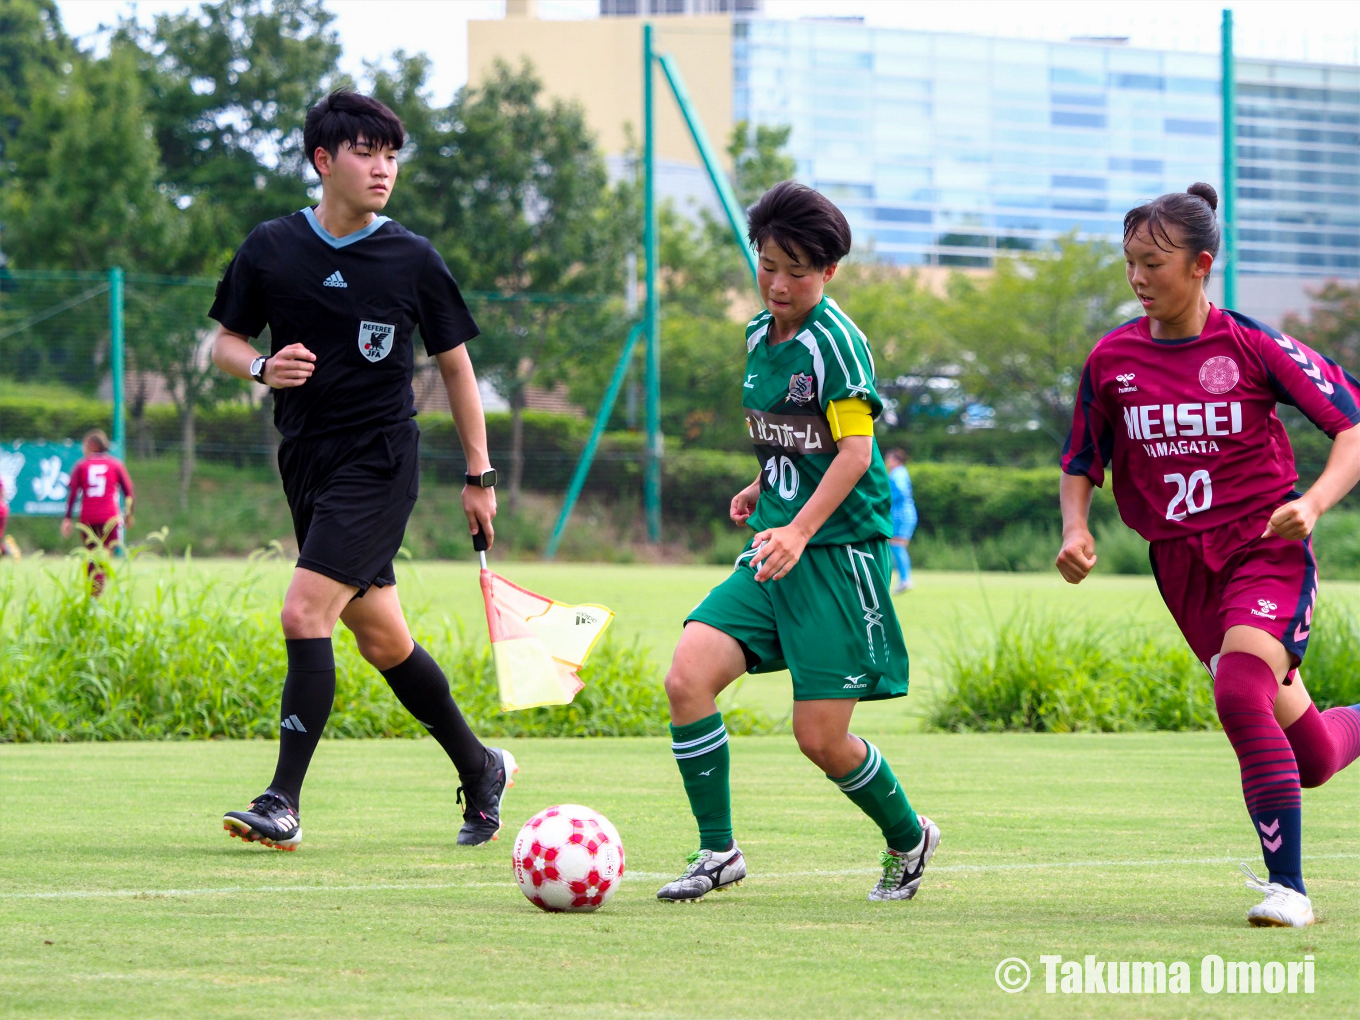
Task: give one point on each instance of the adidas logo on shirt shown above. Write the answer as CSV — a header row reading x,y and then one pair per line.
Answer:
x,y
334,280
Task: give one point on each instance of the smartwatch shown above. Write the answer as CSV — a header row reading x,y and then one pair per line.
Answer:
x,y
486,480
257,368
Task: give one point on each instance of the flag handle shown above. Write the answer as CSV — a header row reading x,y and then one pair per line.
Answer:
x,y
479,543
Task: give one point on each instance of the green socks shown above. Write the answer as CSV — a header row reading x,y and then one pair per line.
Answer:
x,y
876,792
701,752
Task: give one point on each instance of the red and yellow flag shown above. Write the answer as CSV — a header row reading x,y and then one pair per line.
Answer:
x,y
538,644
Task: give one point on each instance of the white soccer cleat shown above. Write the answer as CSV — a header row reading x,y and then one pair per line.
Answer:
x,y
706,871
902,872
1283,907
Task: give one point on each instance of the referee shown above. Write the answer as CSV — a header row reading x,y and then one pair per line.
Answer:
x,y
343,290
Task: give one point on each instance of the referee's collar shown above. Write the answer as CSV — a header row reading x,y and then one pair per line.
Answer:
x,y
341,242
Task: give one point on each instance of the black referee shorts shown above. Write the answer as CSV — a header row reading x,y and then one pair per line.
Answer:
x,y
351,495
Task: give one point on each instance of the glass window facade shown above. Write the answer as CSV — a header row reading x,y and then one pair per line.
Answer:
x,y
950,149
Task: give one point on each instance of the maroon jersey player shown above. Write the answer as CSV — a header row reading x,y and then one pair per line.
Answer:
x,y
1180,404
97,480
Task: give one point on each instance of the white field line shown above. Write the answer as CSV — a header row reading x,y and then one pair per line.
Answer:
x,y
100,894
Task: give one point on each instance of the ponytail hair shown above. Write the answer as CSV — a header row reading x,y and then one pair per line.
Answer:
x,y
1191,210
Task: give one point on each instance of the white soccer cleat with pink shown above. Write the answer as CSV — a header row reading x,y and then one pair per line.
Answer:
x,y
1283,907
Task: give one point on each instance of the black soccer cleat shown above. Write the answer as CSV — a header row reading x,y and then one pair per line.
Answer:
x,y
270,820
482,797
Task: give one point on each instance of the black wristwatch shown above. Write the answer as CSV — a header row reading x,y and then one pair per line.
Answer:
x,y
486,480
257,368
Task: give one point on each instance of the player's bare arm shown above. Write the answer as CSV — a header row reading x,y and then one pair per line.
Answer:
x,y
233,354
744,502
465,402
1078,553
781,548
1295,520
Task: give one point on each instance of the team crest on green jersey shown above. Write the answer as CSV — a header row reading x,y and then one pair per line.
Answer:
x,y
802,388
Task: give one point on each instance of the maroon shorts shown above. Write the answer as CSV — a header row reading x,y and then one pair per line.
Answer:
x,y
109,531
1229,576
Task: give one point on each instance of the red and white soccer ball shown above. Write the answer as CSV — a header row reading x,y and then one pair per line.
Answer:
x,y
568,858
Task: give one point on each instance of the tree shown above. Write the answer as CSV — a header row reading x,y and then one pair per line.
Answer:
x,y
33,52
759,161
1023,336
84,193
512,190
1333,324
228,87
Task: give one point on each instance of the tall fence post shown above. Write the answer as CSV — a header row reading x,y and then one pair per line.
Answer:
x,y
116,339
1229,165
652,484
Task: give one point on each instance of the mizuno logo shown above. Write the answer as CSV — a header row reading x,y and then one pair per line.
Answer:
x,y
709,772
293,723
750,381
334,280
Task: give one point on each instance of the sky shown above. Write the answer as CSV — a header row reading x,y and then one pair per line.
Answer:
x,y
1313,30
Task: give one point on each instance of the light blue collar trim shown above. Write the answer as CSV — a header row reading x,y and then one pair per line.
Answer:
x,y
348,239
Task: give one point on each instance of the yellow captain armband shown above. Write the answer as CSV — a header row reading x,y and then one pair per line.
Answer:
x,y
850,417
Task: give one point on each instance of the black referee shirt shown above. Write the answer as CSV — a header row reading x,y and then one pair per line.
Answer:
x,y
353,301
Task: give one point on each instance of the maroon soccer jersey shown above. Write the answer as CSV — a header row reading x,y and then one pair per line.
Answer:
x,y
1188,427
96,480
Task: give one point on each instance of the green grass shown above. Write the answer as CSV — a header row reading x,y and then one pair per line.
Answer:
x,y
121,896
946,614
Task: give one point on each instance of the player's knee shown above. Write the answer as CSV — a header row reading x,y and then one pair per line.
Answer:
x,y
817,747
383,649
300,620
679,688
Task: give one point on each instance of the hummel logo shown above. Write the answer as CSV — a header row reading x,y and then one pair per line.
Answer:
x,y
334,280
293,723
1267,609
1126,383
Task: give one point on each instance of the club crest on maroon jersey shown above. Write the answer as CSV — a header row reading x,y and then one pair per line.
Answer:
x,y
802,388
1219,375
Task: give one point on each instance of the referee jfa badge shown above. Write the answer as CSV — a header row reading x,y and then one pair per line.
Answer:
x,y
375,339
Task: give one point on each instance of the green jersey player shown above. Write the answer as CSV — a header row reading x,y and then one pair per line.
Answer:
x,y
810,591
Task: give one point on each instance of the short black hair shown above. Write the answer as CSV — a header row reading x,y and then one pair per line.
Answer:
x,y
1192,210
348,116
793,214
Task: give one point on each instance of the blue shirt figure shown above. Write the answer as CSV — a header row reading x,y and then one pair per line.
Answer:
x,y
903,517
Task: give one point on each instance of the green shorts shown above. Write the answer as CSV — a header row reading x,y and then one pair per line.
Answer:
x,y
828,621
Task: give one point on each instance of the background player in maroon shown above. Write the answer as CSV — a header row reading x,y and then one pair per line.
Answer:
x,y
97,480
1181,405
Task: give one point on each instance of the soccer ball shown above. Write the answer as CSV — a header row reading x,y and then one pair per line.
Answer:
x,y
568,858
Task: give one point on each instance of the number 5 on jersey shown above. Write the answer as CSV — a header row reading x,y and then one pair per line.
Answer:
x,y
1195,493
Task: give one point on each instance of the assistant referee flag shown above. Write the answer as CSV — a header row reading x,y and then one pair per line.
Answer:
x,y
538,644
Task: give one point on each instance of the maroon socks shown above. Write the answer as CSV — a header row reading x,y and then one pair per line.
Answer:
x,y
1244,693
1324,743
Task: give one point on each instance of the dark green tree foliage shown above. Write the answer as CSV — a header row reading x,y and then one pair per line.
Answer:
x,y
229,87
33,52
512,190
1023,335
1333,324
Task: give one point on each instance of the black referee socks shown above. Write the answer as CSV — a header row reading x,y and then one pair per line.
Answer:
x,y
420,685
308,693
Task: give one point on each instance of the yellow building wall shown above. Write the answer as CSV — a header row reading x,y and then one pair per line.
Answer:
x,y
598,62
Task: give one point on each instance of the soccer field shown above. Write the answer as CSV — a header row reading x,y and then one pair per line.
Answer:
x,y
123,897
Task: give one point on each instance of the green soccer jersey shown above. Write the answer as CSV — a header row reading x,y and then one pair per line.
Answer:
x,y
785,395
